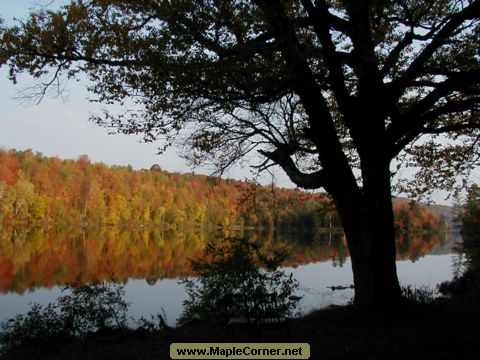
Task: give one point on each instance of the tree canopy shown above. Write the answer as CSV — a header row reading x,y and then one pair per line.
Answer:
x,y
241,76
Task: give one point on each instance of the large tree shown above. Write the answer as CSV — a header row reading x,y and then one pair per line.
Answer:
x,y
338,93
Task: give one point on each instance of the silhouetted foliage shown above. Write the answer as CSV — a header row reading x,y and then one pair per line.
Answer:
x,y
81,310
470,216
234,272
466,282
419,295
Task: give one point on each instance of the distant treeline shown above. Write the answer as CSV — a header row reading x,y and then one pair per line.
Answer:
x,y
412,217
39,189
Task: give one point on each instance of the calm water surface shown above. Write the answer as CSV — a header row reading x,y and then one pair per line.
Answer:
x,y
36,263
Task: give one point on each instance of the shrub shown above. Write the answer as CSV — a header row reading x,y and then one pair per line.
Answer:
x,y
79,311
39,325
422,295
89,308
235,269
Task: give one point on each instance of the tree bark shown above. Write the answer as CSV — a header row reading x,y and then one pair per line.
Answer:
x,y
369,228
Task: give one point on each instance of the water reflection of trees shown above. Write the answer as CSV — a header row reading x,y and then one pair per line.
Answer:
x,y
466,263
466,282
412,246
38,257
315,247
45,257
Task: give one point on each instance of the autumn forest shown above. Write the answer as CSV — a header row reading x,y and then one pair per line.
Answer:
x,y
35,189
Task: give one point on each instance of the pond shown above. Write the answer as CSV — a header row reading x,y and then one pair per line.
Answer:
x,y
35,263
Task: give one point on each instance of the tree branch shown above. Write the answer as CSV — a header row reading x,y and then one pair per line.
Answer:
x,y
367,70
472,11
416,116
87,59
321,23
394,55
450,108
282,158
421,121
322,128
451,128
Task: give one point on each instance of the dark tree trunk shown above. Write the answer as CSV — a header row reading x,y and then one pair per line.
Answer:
x,y
366,213
369,227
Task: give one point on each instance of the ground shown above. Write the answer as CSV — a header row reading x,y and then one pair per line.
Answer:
x,y
440,330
